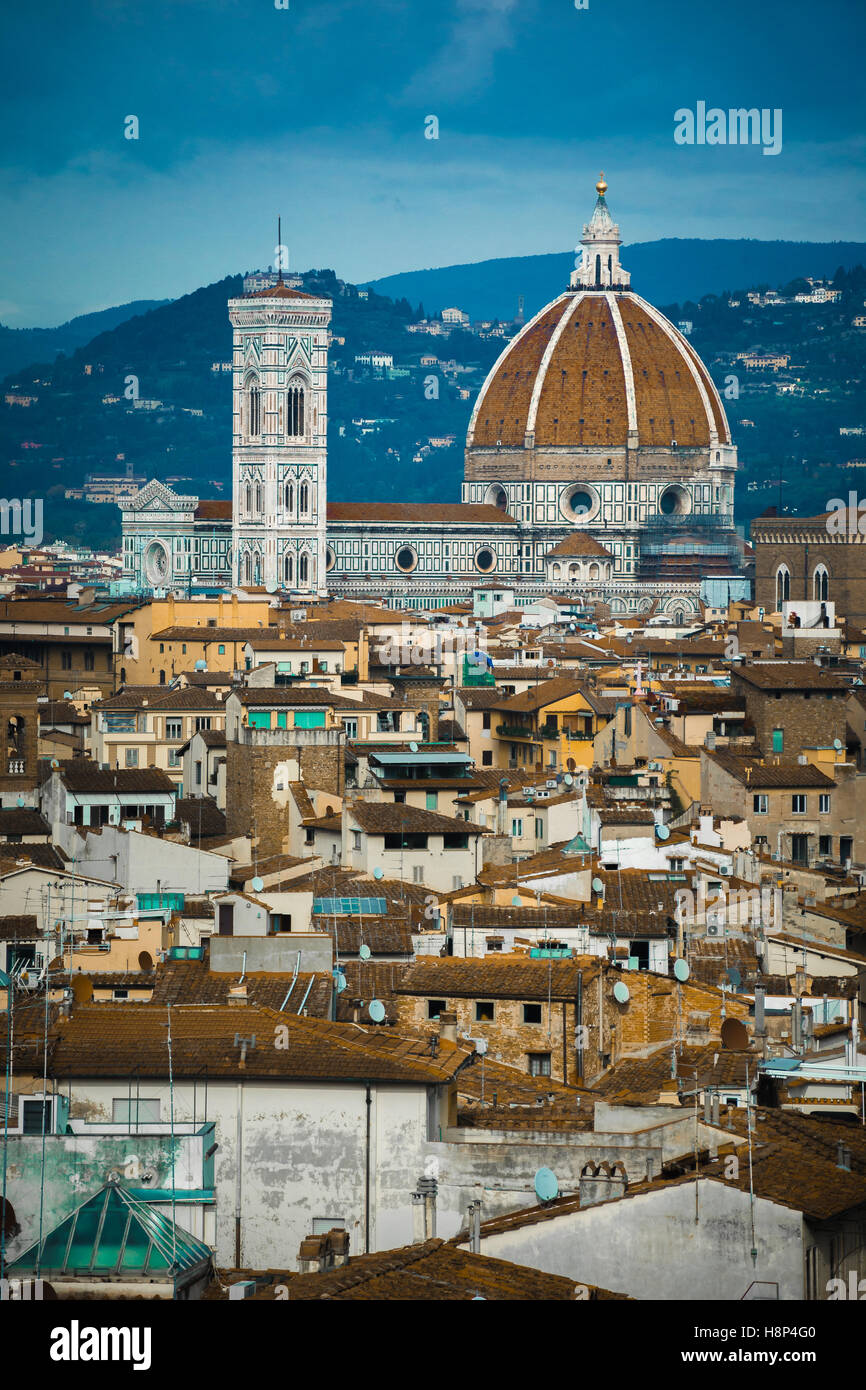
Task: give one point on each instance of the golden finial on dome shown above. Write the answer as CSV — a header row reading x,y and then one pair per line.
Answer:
x,y
601,186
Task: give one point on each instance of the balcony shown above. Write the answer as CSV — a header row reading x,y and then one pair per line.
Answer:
x,y
514,731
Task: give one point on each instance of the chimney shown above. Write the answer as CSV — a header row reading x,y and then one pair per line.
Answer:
x,y
474,1222
424,1210
843,1157
759,1010
601,1182
237,994
448,1029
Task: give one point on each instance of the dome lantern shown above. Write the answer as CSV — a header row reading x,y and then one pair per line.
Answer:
x,y
599,267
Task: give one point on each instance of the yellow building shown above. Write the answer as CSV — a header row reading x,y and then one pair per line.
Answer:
x,y
551,727
158,641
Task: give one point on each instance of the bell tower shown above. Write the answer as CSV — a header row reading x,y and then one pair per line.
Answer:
x,y
279,434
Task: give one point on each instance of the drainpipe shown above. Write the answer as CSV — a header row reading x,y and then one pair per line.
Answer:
x,y
579,1013
367,1179
238,1169
564,1043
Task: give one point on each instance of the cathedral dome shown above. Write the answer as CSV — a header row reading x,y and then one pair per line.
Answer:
x,y
599,368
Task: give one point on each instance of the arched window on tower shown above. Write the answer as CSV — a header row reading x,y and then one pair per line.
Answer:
x,y
257,569
598,270
289,569
295,410
289,497
783,586
610,270
248,569
259,498
249,499
820,584
304,499
303,569
254,413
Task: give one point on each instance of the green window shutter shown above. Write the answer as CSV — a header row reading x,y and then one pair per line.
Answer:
x,y
310,719
281,719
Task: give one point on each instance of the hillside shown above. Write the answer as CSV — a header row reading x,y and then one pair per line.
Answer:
x,y
18,346
398,433
664,272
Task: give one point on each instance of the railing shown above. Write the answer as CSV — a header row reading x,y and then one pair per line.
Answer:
x,y
513,731
16,767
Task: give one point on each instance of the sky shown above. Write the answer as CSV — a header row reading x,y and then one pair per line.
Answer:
x,y
320,111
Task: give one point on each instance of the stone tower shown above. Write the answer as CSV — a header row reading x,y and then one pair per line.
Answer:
x,y
279,451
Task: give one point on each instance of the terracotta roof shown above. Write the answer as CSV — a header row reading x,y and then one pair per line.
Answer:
x,y
22,820
535,698
790,675
291,695
579,543
429,1272
420,513
16,856
383,935
582,398
193,982
751,773
639,1080
386,817
496,977
81,775
202,815
214,509
158,697
19,928
115,1041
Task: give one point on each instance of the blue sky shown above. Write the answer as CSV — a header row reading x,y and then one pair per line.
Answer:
x,y
318,112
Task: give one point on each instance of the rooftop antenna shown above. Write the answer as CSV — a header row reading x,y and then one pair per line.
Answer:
x,y
279,250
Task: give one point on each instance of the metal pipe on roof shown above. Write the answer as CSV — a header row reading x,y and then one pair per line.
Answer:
x,y
304,1000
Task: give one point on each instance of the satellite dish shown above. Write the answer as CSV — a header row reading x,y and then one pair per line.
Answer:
x,y
568,779
663,832
597,885
145,960
257,884
377,1011
620,992
481,1046
515,901
681,970
837,743
546,1185
364,952
54,762
201,665
67,694
340,981
413,747
378,873
734,976
271,588
20,801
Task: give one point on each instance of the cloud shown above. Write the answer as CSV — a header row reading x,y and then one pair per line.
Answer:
x,y
465,64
